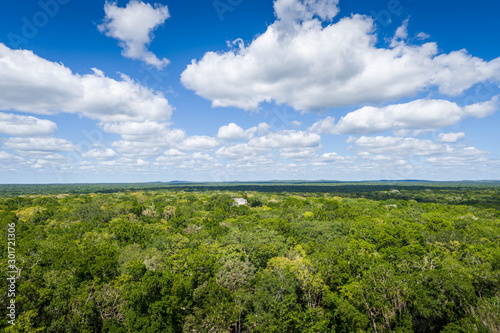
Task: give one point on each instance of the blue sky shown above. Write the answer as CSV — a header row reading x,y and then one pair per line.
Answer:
x,y
223,90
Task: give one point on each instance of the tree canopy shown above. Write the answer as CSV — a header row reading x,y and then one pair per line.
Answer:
x,y
192,260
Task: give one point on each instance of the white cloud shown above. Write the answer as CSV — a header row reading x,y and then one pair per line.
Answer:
x,y
136,149
50,160
324,126
144,140
457,71
263,128
143,131
296,11
333,157
141,162
375,158
465,157
171,157
201,156
239,151
125,165
100,154
422,36
415,133
233,132
174,153
5,156
451,137
484,109
179,159
309,65
286,139
198,143
292,144
401,34
32,84
403,158
388,145
145,128
29,83
421,114
17,125
39,145
133,26
298,154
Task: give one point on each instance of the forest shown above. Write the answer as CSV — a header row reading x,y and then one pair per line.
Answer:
x,y
290,257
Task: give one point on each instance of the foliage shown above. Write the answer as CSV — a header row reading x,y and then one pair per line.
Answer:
x,y
305,257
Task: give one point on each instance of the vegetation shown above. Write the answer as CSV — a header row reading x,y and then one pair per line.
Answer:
x,y
306,257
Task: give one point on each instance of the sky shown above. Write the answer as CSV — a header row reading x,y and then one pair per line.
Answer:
x,y
239,90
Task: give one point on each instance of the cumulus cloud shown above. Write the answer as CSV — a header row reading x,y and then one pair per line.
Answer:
x,y
170,160
304,154
451,137
141,162
410,157
180,159
427,155
484,109
134,128
33,145
324,126
173,153
153,132
198,143
333,157
29,83
100,154
144,140
54,157
17,125
422,36
4,156
419,115
292,11
239,151
133,26
311,65
53,160
286,139
233,132
124,164
401,34
388,145
200,156
462,157
291,144
136,149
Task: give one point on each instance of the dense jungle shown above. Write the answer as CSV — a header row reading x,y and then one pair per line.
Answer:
x,y
288,257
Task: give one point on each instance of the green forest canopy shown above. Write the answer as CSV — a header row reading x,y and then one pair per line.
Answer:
x,y
308,257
